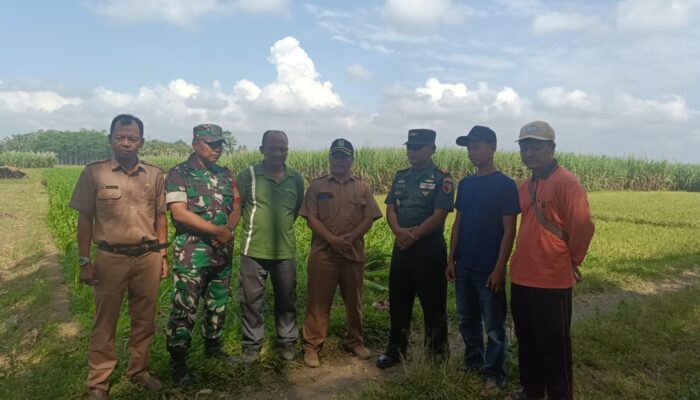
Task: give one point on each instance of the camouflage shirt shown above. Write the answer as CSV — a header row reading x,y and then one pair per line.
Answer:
x,y
209,193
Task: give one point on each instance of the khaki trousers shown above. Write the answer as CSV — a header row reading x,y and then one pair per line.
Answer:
x,y
140,277
326,272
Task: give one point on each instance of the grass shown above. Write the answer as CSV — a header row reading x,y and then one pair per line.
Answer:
x,y
21,159
641,237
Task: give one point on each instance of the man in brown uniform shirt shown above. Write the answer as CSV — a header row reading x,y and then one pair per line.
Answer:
x,y
339,209
121,206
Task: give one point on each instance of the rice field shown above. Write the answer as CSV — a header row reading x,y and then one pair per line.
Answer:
x,y
641,237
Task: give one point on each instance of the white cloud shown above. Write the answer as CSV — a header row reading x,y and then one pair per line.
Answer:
x,y
556,22
297,86
415,15
664,109
41,100
557,98
655,15
184,13
360,73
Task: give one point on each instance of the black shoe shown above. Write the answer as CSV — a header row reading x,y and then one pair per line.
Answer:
x,y
213,350
179,372
387,360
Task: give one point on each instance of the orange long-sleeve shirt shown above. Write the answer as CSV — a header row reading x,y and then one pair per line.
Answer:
x,y
541,259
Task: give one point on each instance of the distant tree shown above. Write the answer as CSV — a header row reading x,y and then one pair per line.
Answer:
x,y
231,142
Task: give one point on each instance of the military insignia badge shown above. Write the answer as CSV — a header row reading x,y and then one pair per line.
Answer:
x,y
447,184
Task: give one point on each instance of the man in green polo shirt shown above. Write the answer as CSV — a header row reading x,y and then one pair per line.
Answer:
x,y
271,196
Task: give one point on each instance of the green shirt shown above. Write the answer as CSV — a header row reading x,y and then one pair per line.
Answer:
x,y
417,193
269,209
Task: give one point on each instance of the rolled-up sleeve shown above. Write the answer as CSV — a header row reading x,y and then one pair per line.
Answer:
x,y
175,188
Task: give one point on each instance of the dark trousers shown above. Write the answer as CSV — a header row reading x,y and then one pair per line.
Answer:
x,y
420,270
542,319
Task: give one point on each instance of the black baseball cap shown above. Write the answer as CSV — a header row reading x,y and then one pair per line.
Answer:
x,y
343,146
478,132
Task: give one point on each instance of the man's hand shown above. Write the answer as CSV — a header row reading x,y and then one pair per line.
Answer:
x,y
496,280
341,243
405,238
87,274
164,268
450,271
223,236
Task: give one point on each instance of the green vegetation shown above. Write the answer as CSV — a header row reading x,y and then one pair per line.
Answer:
x,y
84,146
21,159
642,350
378,165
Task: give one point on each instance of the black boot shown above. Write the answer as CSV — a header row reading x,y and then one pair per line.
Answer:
x,y
180,374
212,349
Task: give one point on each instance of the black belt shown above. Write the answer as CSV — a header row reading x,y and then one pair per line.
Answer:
x,y
133,250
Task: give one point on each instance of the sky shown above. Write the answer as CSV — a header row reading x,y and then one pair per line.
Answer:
x,y
618,78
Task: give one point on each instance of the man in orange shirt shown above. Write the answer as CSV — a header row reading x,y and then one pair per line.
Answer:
x,y
555,232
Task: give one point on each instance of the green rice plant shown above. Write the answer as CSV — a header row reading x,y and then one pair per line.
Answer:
x,y
378,166
21,159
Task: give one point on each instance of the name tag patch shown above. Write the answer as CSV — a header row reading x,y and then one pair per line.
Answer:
x,y
426,185
325,196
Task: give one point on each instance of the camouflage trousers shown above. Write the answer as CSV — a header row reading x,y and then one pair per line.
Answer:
x,y
213,284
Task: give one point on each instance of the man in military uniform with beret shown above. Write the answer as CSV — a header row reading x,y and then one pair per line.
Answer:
x,y
339,208
417,204
205,208
121,206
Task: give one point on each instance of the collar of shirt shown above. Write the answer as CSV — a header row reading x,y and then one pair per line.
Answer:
x,y
547,172
193,164
115,165
259,169
425,171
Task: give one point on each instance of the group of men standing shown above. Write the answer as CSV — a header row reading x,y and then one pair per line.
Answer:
x,y
122,203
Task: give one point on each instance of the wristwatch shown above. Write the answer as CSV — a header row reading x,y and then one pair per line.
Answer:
x,y
83,261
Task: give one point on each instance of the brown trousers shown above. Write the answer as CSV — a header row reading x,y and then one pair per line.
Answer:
x,y
325,273
140,277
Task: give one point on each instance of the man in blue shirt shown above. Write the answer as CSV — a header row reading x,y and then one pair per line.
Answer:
x,y
481,243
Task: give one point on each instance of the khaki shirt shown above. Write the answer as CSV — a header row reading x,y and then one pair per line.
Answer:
x,y
340,206
124,205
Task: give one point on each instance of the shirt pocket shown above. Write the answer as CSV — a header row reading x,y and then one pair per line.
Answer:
x,y
326,207
199,198
358,204
108,201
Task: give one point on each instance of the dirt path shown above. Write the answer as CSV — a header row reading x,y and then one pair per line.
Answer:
x,y
33,292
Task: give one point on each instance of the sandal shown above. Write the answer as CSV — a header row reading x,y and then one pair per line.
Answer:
x,y
491,389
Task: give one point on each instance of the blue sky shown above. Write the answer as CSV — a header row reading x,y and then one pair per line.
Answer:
x,y
612,77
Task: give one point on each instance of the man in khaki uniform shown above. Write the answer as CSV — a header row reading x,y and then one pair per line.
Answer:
x,y
339,209
121,206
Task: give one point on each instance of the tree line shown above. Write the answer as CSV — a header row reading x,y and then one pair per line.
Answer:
x,y
84,146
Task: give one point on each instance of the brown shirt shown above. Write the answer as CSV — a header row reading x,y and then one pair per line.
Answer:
x,y
340,206
123,204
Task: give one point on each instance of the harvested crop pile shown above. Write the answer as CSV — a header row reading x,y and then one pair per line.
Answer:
x,y
11,173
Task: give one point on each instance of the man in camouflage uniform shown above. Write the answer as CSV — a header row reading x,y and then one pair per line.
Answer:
x,y
416,207
205,208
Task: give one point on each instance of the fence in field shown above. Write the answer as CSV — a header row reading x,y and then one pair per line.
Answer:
x,y
378,165
22,159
